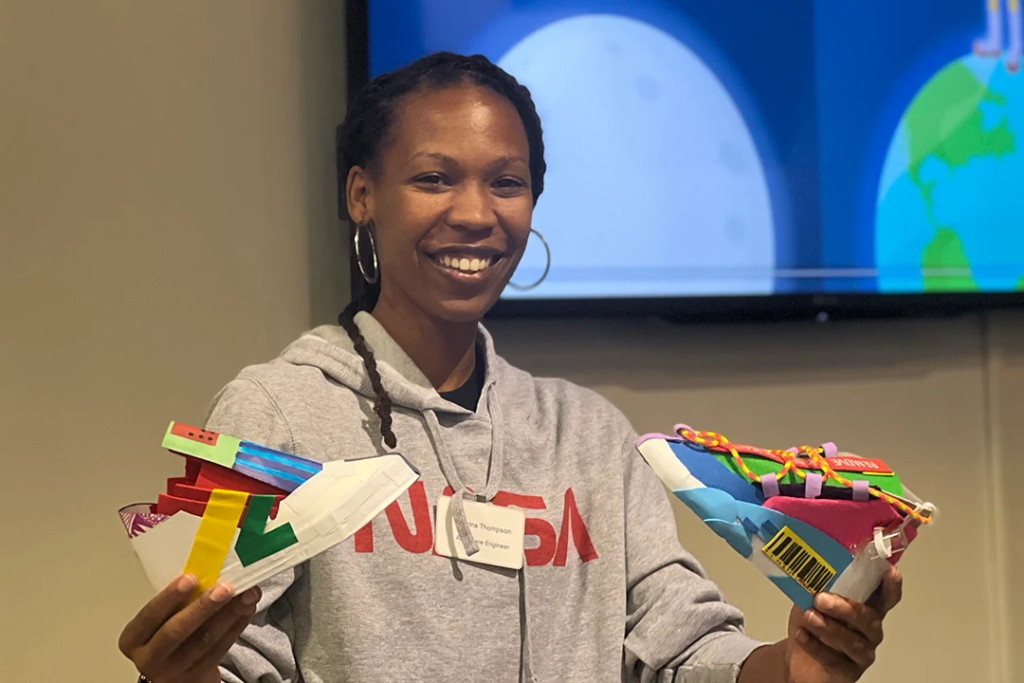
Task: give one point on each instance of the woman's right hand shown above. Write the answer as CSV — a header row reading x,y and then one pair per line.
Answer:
x,y
173,641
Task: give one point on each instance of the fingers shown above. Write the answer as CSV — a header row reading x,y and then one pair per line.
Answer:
x,y
843,635
208,636
182,625
855,616
212,657
836,635
156,612
839,666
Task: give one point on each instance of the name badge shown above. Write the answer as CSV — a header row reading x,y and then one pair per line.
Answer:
x,y
500,533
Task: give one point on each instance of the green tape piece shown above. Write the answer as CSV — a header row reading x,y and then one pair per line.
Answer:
x,y
257,514
253,544
222,454
890,483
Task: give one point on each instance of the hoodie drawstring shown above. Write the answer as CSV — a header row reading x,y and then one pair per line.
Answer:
x,y
461,492
491,489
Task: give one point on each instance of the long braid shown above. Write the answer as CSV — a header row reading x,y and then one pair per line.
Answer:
x,y
364,133
382,402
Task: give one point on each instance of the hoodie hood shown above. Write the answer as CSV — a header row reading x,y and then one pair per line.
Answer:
x,y
329,349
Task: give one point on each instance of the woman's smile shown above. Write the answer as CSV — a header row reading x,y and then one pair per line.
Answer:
x,y
465,264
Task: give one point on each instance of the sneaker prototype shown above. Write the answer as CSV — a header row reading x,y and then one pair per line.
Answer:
x,y
243,512
811,519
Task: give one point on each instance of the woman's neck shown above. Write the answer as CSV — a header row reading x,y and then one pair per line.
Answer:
x,y
445,352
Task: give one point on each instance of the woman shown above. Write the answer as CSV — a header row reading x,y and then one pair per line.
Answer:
x,y
444,163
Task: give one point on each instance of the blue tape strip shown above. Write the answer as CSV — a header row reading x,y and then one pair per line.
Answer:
x,y
249,448
294,479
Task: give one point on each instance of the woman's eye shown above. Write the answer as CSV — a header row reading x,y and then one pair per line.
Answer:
x,y
430,179
509,183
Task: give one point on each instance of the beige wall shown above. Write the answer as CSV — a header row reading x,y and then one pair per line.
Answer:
x,y
167,214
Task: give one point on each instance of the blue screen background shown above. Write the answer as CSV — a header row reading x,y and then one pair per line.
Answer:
x,y
820,87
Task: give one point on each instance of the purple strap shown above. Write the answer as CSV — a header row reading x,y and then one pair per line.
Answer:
x,y
769,485
813,488
831,450
860,490
681,428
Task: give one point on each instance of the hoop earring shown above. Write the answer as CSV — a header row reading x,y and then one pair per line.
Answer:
x,y
372,278
547,266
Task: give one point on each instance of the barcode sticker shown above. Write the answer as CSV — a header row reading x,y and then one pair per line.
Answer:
x,y
799,561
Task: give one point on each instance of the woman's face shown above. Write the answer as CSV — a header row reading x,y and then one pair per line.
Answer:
x,y
450,198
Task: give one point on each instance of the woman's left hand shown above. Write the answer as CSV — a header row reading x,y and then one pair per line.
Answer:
x,y
836,641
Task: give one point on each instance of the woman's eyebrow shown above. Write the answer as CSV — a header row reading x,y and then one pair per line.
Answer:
x,y
439,156
452,161
507,160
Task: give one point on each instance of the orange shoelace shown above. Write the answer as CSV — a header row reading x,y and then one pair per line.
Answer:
x,y
715,440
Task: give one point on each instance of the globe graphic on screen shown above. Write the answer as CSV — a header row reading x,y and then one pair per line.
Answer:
x,y
950,211
654,185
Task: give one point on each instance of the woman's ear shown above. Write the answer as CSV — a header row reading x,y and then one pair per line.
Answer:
x,y
358,198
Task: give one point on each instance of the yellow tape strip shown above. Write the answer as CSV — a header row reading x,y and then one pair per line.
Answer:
x,y
215,536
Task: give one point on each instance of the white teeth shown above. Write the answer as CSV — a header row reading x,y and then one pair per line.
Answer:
x,y
466,265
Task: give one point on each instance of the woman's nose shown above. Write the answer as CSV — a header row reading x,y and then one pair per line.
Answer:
x,y
472,208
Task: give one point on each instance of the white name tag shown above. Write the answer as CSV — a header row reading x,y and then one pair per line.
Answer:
x,y
500,533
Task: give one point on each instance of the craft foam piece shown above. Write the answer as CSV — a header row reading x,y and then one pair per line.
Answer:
x,y
211,476
168,505
841,462
761,466
203,494
330,505
277,468
804,545
171,505
712,472
202,444
845,521
191,492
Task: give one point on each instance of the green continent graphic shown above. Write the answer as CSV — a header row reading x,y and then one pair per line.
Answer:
x,y
945,264
1020,284
945,122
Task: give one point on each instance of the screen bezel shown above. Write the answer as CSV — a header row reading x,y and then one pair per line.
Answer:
x,y
819,306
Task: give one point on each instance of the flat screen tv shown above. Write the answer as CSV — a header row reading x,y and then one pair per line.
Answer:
x,y
812,157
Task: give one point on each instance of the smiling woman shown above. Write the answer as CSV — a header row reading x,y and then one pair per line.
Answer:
x,y
443,163
449,197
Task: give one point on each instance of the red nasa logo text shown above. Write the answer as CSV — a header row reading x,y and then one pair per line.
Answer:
x,y
549,547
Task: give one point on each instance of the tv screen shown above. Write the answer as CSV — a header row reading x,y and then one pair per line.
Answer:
x,y
702,148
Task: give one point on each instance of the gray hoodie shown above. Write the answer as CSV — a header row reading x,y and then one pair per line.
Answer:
x,y
606,592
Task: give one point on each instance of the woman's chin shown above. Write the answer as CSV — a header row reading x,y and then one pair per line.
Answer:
x,y
466,310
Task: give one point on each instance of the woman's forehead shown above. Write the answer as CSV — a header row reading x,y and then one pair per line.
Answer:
x,y
457,118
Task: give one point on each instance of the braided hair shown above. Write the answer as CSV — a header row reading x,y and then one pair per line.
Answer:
x,y
364,134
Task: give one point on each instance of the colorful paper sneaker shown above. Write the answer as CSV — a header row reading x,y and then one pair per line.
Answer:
x,y
228,532
811,519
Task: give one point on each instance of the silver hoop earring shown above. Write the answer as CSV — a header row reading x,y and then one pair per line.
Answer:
x,y
371,278
547,266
